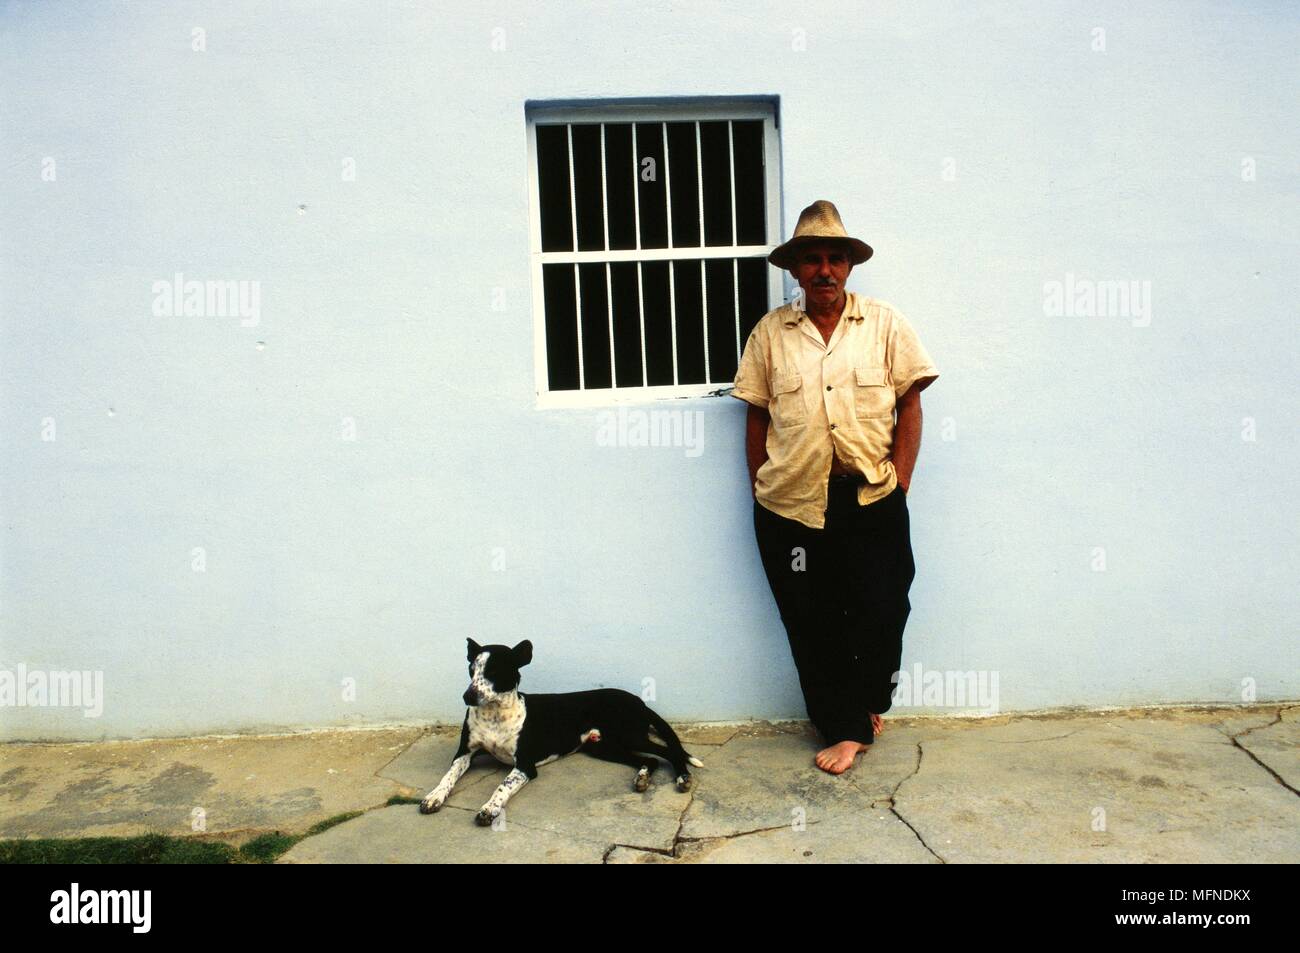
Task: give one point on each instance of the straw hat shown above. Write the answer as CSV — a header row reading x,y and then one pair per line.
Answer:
x,y
819,222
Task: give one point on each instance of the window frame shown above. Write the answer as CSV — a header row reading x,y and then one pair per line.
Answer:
x,y
662,111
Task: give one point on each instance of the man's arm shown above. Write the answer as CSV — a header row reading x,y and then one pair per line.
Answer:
x,y
756,422
907,435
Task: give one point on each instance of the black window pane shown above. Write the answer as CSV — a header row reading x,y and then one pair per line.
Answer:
x,y
553,188
689,299
658,323
620,186
650,183
683,183
753,294
751,203
596,371
715,159
587,188
720,294
561,327
627,324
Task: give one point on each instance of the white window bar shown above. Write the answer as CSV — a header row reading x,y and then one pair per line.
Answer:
x,y
699,180
609,306
640,309
609,288
573,202
636,211
735,289
636,190
735,262
654,254
668,185
704,280
731,154
672,311
577,313
704,311
577,281
604,197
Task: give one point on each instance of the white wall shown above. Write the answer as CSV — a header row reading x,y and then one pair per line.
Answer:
x,y
1045,437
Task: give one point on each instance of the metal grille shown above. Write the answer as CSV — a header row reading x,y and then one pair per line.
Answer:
x,y
651,237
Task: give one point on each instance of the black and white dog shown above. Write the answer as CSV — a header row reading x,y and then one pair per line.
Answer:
x,y
530,730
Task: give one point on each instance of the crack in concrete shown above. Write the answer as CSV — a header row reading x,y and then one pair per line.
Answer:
x,y
1277,718
1031,741
674,849
893,804
681,821
675,852
604,858
757,830
1276,777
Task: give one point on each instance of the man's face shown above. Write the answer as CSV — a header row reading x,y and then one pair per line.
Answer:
x,y
821,271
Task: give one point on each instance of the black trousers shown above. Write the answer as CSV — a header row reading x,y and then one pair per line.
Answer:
x,y
842,593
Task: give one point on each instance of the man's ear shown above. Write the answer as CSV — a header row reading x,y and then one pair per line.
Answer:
x,y
474,649
523,653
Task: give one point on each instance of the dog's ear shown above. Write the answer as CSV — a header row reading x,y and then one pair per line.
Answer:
x,y
474,649
523,653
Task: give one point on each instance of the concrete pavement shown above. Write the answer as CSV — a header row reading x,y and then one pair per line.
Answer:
x,y
1151,785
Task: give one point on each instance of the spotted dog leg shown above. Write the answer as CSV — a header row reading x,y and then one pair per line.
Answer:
x,y
492,809
435,798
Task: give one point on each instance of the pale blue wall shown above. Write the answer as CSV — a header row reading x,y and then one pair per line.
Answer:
x,y
372,559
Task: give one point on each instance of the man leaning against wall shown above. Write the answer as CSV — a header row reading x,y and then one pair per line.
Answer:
x,y
829,467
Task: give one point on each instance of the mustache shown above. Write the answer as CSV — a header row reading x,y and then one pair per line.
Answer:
x,y
823,283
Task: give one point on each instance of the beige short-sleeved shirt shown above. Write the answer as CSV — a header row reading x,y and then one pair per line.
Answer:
x,y
828,398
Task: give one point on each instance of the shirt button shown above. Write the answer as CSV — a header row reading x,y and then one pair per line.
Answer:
x,y
832,426
828,386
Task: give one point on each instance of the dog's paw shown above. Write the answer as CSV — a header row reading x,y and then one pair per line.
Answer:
x,y
684,782
642,782
484,818
430,805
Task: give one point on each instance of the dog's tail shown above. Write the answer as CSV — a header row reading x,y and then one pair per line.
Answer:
x,y
664,731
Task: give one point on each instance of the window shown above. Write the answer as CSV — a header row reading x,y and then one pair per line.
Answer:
x,y
651,226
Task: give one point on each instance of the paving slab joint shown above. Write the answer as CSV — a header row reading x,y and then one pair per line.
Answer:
x,y
406,747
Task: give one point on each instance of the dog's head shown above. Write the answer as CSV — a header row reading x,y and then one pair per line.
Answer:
x,y
494,670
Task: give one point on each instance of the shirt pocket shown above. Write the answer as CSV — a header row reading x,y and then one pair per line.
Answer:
x,y
874,394
788,408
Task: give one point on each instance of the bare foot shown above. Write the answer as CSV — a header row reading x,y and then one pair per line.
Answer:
x,y
877,723
839,758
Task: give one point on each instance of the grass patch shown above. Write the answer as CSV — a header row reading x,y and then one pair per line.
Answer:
x,y
158,848
146,849
330,822
266,848
400,799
